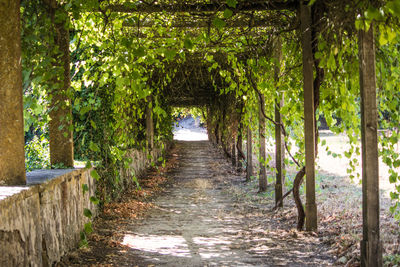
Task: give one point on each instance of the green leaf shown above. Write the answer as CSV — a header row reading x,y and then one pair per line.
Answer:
x,y
231,3
311,2
87,213
83,242
228,13
139,52
396,163
94,147
85,188
394,139
218,23
188,43
93,124
394,7
94,200
331,62
394,195
95,175
88,228
170,53
382,39
393,178
373,14
318,55
88,165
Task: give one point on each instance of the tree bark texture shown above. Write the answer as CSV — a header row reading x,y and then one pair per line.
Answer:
x,y
12,156
371,249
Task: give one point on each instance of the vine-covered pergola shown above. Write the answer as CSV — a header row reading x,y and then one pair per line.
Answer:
x,y
225,47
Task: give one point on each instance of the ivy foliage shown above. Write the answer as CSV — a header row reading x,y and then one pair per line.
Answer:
x,y
123,63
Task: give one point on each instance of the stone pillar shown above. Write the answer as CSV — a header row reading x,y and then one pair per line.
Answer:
x,y
263,183
249,145
371,248
309,116
149,124
60,126
12,156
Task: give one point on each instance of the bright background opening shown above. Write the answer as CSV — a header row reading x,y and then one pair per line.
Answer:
x,y
189,125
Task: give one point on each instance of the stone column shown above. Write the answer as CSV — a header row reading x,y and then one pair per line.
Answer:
x,y
12,156
309,116
371,248
60,126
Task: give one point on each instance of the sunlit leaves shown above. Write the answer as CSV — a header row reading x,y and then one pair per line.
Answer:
x,y
373,13
394,7
115,68
95,175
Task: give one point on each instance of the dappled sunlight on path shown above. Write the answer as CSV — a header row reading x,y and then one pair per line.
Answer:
x,y
200,220
198,223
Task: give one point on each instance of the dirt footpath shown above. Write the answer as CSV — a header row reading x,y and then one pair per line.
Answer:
x,y
202,218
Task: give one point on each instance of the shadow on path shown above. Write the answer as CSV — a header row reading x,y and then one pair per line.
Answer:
x,y
197,222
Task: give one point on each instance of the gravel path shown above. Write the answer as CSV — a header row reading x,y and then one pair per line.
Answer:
x,y
199,221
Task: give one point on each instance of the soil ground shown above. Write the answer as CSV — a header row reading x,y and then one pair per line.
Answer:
x,y
205,216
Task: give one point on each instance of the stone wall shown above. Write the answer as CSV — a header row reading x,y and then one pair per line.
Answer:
x,y
41,222
140,161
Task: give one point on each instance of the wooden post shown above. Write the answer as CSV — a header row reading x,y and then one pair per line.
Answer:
x,y
309,115
371,249
239,145
249,163
60,126
263,183
233,151
279,138
12,157
279,154
149,124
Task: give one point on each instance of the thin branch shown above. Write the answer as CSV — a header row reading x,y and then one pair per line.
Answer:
x,y
254,85
277,205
